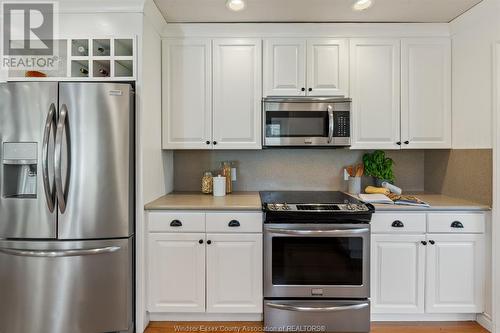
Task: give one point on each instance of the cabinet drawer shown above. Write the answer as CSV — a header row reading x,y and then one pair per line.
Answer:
x,y
456,222
398,223
176,222
234,222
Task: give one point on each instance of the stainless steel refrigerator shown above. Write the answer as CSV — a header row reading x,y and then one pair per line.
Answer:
x,y
66,207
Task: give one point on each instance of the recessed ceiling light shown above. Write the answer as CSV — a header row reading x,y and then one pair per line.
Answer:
x,y
235,5
362,4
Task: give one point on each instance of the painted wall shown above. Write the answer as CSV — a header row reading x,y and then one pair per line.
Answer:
x,y
291,169
463,173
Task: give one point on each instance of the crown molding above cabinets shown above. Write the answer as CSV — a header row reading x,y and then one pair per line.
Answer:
x,y
307,30
101,6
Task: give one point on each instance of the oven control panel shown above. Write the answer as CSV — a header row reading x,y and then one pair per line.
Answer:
x,y
311,208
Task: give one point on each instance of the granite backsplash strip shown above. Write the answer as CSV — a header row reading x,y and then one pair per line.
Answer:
x,y
463,173
291,169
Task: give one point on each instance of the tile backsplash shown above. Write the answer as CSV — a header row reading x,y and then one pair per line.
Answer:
x,y
291,169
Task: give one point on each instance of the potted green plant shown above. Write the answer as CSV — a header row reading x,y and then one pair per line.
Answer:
x,y
379,167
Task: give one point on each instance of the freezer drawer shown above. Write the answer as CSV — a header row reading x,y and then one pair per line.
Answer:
x,y
61,287
346,316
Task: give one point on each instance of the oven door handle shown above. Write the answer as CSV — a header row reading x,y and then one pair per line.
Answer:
x,y
330,123
319,232
318,309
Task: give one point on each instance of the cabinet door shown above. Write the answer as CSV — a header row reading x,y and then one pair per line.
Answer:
x,y
375,92
284,67
455,273
187,94
397,273
234,273
327,67
426,93
237,93
176,272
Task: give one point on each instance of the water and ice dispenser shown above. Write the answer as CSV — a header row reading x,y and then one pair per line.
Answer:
x,y
19,163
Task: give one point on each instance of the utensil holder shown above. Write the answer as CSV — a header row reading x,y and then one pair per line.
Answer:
x,y
354,185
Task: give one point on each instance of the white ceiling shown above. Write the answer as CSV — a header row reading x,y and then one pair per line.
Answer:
x,y
314,11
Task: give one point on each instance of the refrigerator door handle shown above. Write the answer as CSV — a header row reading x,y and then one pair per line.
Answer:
x,y
60,253
61,126
50,124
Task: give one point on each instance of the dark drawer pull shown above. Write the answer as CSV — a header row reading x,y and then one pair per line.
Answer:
x,y
457,224
423,242
176,223
398,224
233,223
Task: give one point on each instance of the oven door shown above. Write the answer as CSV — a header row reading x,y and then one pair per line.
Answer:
x,y
317,260
306,124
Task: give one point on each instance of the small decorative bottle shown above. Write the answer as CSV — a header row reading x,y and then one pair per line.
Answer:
x,y
207,183
226,172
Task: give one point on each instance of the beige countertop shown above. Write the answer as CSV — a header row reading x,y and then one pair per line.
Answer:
x,y
199,201
251,201
437,202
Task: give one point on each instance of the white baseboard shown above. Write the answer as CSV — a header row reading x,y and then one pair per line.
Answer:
x,y
485,320
205,316
424,317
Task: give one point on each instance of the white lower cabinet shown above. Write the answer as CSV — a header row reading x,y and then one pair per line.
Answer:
x,y
216,271
455,266
177,272
398,273
414,271
234,273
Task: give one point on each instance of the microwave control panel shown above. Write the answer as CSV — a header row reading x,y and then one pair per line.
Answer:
x,y
342,124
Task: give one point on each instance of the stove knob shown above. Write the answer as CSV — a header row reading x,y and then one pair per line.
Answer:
x,y
286,207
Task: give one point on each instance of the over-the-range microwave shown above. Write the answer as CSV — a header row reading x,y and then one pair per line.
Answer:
x,y
306,121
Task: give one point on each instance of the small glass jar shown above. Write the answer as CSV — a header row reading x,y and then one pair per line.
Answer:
x,y
207,184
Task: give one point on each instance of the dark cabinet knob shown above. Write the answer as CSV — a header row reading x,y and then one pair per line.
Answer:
x,y
457,224
303,89
207,142
407,142
200,241
423,242
234,223
397,224
398,143
215,142
176,223
310,89
209,242
432,242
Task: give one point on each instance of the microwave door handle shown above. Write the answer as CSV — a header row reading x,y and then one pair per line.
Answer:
x,y
330,123
318,232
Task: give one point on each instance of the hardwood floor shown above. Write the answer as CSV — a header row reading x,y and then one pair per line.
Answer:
x,y
247,327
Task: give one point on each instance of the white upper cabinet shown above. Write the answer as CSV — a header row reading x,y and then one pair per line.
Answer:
x,y
426,93
455,273
237,93
285,67
398,273
375,92
187,95
327,67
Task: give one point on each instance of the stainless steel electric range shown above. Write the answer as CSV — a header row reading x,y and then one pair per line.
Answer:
x,y
316,262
